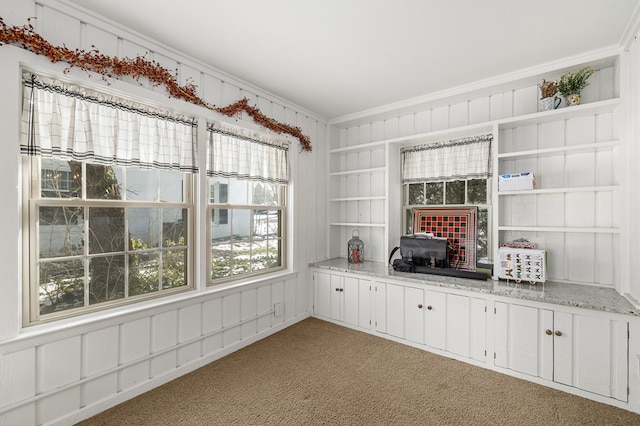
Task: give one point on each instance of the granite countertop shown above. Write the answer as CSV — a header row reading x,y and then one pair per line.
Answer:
x,y
588,297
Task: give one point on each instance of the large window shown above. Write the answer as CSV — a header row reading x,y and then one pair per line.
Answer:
x,y
108,204
108,235
248,181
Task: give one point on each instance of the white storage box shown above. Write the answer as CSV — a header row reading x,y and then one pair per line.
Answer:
x,y
516,181
528,265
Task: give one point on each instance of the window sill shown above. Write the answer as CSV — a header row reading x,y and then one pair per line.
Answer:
x,y
250,282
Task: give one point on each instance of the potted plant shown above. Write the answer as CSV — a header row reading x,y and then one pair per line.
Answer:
x,y
571,84
548,98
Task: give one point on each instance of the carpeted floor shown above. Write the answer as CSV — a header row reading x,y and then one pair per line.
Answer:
x,y
318,373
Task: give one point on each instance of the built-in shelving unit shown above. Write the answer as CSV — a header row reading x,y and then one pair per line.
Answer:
x,y
573,212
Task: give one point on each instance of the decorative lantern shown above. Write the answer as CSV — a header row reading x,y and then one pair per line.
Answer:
x,y
355,248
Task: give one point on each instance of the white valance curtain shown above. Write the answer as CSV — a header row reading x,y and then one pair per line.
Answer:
x,y
241,154
65,120
467,158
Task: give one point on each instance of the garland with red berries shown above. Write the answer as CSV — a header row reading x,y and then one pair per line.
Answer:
x,y
109,67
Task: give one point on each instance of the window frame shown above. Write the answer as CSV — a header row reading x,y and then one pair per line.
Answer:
x,y
32,199
282,206
409,208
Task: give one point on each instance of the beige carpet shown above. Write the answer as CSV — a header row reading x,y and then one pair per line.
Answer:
x,y
317,373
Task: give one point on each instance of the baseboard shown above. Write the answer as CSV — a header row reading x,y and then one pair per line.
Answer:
x,y
92,410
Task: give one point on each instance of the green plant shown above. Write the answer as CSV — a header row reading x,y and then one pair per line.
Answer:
x,y
548,89
572,83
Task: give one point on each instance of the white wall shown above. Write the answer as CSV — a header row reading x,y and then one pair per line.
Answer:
x,y
70,369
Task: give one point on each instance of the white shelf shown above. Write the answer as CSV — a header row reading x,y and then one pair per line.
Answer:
x,y
359,171
361,147
560,229
382,197
559,149
356,224
561,190
600,107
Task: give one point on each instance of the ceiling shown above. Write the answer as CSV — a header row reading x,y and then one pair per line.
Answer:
x,y
341,57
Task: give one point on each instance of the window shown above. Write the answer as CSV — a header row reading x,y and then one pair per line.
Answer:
x,y
470,192
449,173
252,239
108,229
248,177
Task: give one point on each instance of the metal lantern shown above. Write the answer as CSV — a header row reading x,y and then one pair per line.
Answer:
x,y
355,248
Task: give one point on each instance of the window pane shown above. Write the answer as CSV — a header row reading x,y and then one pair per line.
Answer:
x,y
455,192
143,228
482,234
434,192
106,230
220,231
171,186
241,224
173,227
477,191
416,194
409,222
61,285
266,223
143,273
265,193
259,256
142,185
174,268
61,231
60,178
106,278
238,191
274,256
241,258
220,261
104,182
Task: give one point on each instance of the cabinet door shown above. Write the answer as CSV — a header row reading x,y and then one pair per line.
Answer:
x,y
521,343
351,299
435,318
590,353
322,294
478,329
364,304
414,314
356,302
394,304
458,324
380,314
337,290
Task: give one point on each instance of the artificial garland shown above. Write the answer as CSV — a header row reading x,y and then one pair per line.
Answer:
x,y
109,67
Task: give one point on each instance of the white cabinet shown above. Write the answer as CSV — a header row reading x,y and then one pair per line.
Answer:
x,y
342,298
584,351
450,322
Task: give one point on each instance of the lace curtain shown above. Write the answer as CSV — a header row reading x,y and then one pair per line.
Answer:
x,y
64,120
241,154
466,158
